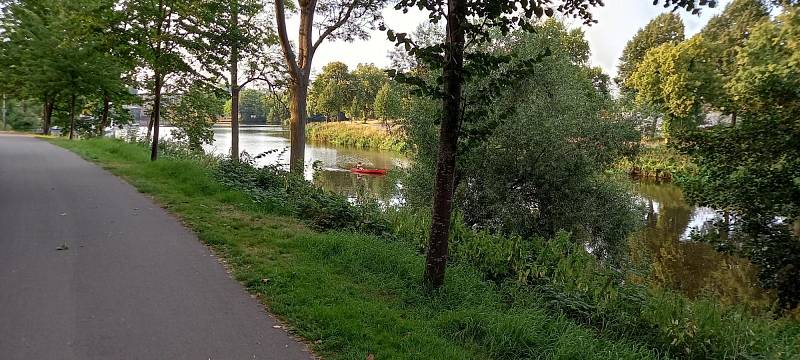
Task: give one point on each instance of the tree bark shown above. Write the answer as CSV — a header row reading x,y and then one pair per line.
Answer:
x,y
149,127
733,119
156,115
298,113
235,80
72,116
47,115
104,115
436,261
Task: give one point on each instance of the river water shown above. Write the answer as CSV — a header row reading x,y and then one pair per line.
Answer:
x,y
663,244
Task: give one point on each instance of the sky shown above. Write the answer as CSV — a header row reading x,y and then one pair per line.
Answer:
x,y
618,21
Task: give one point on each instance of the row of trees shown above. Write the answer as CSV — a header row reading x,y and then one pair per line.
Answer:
x,y
258,106
682,80
80,55
365,93
744,65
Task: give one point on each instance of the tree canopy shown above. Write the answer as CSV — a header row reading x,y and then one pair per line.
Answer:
x,y
665,28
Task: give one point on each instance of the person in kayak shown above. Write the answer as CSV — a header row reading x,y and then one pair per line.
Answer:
x,y
360,166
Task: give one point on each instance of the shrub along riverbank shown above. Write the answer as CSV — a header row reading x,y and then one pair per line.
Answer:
x,y
656,161
370,135
347,277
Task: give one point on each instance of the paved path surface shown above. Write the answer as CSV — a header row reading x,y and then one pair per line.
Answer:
x,y
134,283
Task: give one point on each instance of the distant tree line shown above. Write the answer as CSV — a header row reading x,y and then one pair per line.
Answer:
x,y
364,93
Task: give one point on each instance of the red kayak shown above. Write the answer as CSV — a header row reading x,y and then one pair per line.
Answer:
x,y
368,171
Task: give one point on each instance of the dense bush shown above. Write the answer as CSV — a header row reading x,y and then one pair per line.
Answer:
x,y
533,149
283,192
661,162
568,280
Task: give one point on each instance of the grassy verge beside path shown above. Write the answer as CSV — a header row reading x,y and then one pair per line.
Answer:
x,y
349,295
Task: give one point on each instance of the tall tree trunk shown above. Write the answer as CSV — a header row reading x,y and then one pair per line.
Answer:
x,y
436,261
104,115
300,70
298,113
47,116
235,80
72,116
156,115
733,119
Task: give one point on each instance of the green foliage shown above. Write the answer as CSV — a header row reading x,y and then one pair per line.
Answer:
x,y
332,90
287,193
665,28
390,101
23,115
725,35
193,114
658,161
676,78
254,106
366,82
59,50
768,74
752,170
565,279
532,149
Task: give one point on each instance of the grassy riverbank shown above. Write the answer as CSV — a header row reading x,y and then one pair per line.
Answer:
x,y
369,135
656,161
351,293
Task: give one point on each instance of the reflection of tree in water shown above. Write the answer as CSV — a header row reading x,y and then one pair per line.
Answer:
x,y
690,267
355,186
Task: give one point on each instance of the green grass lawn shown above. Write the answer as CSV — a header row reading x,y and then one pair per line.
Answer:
x,y
351,295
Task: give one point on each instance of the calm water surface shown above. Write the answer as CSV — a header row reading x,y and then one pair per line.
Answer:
x,y
690,267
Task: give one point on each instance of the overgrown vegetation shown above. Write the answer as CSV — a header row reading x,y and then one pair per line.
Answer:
x,y
366,136
657,161
533,151
354,294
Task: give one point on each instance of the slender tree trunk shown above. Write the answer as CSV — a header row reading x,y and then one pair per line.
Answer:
x,y
149,127
235,121
156,115
436,261
104,115
733,119
49,102
297,109
235,80
72,116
